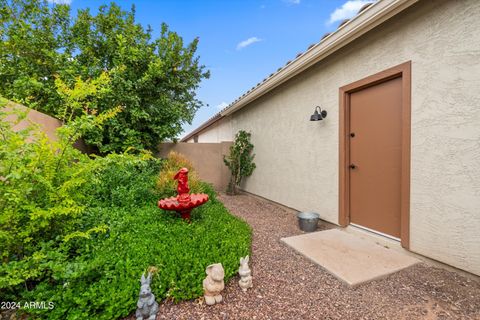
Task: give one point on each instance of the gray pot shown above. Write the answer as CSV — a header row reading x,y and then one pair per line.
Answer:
x,y
307,221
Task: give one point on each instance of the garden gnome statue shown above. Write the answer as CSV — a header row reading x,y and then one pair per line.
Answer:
x,y
245,281
182,188
213,284
147,307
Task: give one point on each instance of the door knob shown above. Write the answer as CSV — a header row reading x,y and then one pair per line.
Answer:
x,y
352,166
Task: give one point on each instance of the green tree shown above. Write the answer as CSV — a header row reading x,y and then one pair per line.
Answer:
x,y
240,160
152,80
33,38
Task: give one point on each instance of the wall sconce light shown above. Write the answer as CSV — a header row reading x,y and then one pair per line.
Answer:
x,y
319,114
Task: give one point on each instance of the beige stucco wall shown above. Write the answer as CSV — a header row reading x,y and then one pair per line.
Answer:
x,y
207,159
47,124
217,132
297,160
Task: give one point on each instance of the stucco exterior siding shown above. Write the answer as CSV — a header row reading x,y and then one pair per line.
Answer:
x,y
297,160
207,159
217,132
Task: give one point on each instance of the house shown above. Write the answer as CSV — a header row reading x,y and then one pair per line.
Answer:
x,y
398,152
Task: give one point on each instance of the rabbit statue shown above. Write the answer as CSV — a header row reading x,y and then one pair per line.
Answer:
x,y
147,307
245,273
213,284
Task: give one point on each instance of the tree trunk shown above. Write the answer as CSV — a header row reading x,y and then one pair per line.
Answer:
x,y
231,187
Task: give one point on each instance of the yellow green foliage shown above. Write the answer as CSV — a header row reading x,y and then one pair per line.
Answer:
x,y
77,230
3,102
42,197
165,183
83,97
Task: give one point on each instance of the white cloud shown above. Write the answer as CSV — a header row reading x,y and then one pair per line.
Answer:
x,y
347,10
246,43
293,1
60,1
222,105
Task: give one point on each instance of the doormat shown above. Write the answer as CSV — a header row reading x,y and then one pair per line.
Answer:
x,y
351,258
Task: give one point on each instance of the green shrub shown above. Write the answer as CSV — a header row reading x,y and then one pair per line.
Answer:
x,y
102,282
166,186
79,232
40,206
3,102
240,160
124,180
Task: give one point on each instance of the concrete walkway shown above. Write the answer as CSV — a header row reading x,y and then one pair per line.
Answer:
x,y
351,258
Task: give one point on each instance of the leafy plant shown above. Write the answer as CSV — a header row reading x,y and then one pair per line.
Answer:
x,y
240,160
82,97
166,186
41,202
102,281
3,102
80,231
153,79
124,180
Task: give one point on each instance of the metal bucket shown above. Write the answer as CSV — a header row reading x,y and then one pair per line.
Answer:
x,y
307,221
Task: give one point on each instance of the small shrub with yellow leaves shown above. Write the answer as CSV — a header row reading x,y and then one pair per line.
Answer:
x,y
166,186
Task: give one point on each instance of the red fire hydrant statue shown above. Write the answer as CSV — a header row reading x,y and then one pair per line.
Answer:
x,y
184,202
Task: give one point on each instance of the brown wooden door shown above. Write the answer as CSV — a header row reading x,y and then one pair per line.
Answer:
x,y
375,156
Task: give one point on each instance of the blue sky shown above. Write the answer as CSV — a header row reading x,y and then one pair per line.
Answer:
x,y
241,42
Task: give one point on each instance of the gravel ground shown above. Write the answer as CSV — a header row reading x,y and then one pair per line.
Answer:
x,y
288,286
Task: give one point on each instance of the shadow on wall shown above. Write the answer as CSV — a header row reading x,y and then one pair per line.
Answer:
x,y
207,158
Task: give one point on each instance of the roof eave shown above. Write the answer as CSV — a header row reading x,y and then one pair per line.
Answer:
x,y
365,21
204,125
361,24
